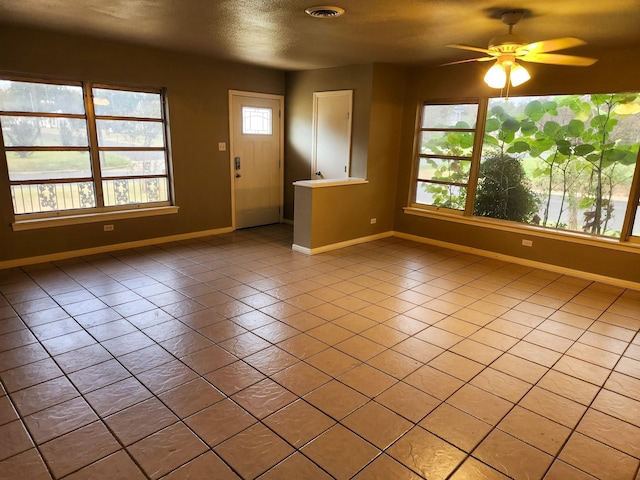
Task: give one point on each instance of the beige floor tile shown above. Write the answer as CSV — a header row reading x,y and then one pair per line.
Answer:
x,y
494,339
434,382
336,399
340,452
367,380
166,450
618,406
561,471
330,334
377,424
456,427
264,398
299,422
535,430
25,466
554,407
426,454
115,397
211,358
271,360
208,465
78,449
43,395
611,431
472,469
302,346
624,385
14,439
219,422
30,374
384,467
482,405
512,457
191,397
570,387
234,377
501,384
476,351
598,459
520,368
140,420
254,451
59,419
296,466
117,465
301,378
333,362
360,348
441,338
408,401
457,366
166,376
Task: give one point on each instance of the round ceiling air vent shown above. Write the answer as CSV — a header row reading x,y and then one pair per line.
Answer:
x,y
324,11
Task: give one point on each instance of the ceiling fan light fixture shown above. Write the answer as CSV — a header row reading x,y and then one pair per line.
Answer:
x,y
496,76
518,75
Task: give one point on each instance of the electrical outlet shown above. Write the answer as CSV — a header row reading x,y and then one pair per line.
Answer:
x,y
222,147
108,228
373,220
527,243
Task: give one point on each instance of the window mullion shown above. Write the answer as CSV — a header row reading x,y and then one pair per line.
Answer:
x,y
476,155
93,144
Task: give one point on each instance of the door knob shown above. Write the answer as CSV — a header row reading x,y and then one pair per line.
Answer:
x,y
319,173
238,175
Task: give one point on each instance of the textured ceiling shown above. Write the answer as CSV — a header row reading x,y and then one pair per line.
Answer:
x,y
277,33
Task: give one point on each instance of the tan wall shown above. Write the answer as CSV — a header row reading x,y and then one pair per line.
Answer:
x,y
344,213
299,121
197,92
615,72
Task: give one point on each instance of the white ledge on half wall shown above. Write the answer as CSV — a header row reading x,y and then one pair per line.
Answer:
x,y
330,182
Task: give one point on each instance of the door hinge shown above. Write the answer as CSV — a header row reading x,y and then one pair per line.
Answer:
x,y
348,115
279,113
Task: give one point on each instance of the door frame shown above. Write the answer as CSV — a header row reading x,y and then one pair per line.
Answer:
x,y
314,137
280,98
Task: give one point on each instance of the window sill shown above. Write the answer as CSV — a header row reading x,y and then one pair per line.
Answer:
x,y
330,182
37,223
529,230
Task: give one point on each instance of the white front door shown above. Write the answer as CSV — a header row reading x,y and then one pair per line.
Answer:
x,y
256,158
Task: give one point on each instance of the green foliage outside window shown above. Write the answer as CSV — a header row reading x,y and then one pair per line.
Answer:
x,y
577,153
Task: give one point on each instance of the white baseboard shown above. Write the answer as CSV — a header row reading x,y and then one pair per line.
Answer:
x,y
19,262
339,245
522,261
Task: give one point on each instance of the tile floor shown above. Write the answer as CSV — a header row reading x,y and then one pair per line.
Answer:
x,y
234,357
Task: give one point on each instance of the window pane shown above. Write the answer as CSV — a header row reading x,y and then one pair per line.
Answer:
x,y
39,165
564,162
44,131
444,170
256,121
636,224
129,133
132,191
446,196
136,163
450,116
458,144
120,103
52,197
40,98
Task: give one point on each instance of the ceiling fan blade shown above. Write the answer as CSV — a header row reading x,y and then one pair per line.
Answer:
x,y
473,49
480,59
555,59
551,45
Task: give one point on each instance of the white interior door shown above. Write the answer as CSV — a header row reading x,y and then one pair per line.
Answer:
x,y
256,158
331,134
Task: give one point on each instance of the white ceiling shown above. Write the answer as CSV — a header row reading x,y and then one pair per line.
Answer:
x,y
277,33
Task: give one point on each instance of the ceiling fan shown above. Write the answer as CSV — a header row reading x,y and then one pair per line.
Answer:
x,y
506,49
